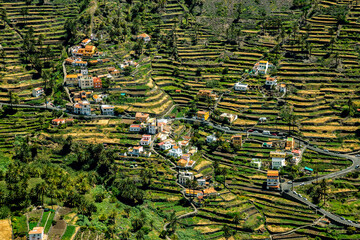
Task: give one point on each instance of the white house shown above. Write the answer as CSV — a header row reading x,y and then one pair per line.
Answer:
x,y
135,128
277,159
261,67
241,87
107,109
136,150
84,71
262,119
151,126
37,233
271,81
145,140
145,37
82,107
201,182
175,152
162,136
185,177
167,144
211,138
37,92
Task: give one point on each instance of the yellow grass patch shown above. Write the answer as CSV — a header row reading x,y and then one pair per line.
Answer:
x,y
202,164
5,230
244,122
278,229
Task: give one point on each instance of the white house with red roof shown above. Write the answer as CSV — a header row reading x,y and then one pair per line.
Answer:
x,y
58,121
135,128
137,150
145,140
37,233
82,107
37,92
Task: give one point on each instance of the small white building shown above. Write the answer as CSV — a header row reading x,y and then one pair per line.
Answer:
x,y
255,163
135,128
241,87
37,92
82,108
145,140
211,138
162,136
262,67
37,233
167,144
175,152
282,88
262,119
185,177
107,110
201,182
84,71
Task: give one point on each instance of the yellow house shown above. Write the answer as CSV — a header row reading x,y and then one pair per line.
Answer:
x,y
290,144
72,79
203,115
236,140
88,51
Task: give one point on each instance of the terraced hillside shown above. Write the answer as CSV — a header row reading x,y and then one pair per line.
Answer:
x,y
20,72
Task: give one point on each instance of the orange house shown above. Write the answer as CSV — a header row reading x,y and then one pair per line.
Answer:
x,y
236,140
97,82
203,115
142,117
88,51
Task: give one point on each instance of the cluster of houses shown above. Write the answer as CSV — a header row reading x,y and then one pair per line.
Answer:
x,y
278,158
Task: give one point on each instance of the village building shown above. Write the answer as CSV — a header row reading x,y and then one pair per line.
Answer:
x,y
85,42
151,126
136,151
58,121
37,92
270,81
80,63
144,37
211,138
209,192
142,117
230,117
255,163
207,93
87,52
97,83
260,67
262,119
282,88
69,61
37,233
183,143
290,144
203,115
236,140
185,177
86,82
135,128
145,140
99,97
107,109
82,108
183,163
241,87
166,145
277,159
175,152
273,181
72,79
201,182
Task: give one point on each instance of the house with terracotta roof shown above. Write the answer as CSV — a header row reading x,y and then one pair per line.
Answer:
x,y
175,152
85,42
82,108
107,110
142,117
88,51
145,140
282,88
183,143
135,128
161,136
37,233
136,151
72,79
207,93
58,121
273,181
270,81
97,83
69,61
182,163
144,36
203,115
167,144
37,92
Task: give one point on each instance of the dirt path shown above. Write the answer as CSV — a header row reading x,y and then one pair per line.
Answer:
x,y
92,10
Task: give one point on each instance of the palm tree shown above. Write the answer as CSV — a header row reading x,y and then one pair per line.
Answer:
x,y
227,231
224,173
324,188
41,189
